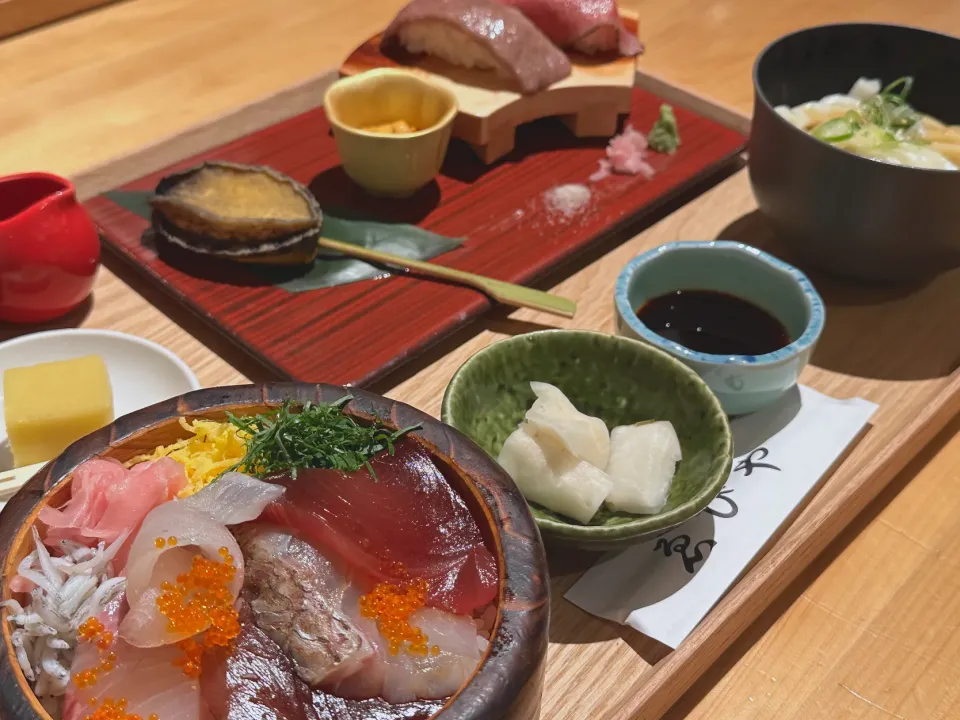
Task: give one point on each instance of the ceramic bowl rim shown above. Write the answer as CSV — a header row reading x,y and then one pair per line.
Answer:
x,y
344,82
642,526
877,165
169,355
805,342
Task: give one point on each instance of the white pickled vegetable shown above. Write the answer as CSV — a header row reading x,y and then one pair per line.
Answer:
x,y
557,425
643,461
577,490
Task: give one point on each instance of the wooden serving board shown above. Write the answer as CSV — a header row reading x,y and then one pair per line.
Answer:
x,y
589,101
895,347
352,334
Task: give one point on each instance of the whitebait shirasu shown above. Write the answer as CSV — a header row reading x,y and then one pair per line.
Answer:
x,y
69,589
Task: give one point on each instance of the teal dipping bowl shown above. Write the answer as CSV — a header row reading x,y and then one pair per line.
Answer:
x,y
742,383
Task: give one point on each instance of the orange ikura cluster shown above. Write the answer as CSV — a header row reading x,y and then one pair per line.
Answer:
x,y
391,605
200,600
110,710
92,630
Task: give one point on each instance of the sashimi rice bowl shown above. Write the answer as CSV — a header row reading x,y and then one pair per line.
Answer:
x,y
288,551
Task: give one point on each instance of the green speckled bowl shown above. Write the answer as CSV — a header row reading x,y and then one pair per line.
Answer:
x,y
619,380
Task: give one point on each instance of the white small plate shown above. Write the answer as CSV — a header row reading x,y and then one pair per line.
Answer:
x,y
141,372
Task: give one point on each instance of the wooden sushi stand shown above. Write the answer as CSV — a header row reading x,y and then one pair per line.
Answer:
x,y
852,612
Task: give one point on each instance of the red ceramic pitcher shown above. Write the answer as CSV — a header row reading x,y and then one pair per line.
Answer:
x,y
49,248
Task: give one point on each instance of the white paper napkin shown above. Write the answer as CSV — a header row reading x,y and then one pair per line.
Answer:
x,y
665,586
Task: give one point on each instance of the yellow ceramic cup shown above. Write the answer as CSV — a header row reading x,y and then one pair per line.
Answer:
x,y
384,164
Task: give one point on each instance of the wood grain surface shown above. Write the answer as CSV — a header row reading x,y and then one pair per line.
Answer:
x,y
708,48
869,631
19,15
354,333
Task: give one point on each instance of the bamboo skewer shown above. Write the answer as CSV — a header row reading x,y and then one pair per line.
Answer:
x,y
13,480
503,292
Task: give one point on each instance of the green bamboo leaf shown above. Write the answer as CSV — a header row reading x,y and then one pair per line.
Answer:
x,y
331,269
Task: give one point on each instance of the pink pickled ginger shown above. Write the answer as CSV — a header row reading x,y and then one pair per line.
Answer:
x,y
626,155
106,499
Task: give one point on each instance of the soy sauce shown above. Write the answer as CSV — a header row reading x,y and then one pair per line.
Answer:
x,y
714,322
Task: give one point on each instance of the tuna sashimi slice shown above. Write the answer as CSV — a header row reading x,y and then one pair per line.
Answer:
x,y
146,678
406,521
586,25
255,680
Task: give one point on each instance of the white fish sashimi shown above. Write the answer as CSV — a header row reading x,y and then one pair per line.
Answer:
x,y
199,525
196,533
405,677
643,461
235,498
554,421
145,677
576,491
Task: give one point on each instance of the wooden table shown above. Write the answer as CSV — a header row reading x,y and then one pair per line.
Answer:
x,y
871,631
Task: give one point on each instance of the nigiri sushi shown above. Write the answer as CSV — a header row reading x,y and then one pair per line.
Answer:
x,y
575,489
643,461
557,425
590,26
480,34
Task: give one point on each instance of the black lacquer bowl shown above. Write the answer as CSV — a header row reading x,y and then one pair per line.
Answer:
x,y
509,680
849,215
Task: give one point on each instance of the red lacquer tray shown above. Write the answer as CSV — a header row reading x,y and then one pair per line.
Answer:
x,y
353,334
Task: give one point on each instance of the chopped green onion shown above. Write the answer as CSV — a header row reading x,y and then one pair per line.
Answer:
x,y
834,130
906,81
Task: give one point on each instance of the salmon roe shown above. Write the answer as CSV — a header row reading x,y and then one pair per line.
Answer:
x,y
201,600
391,605
93,631
110,710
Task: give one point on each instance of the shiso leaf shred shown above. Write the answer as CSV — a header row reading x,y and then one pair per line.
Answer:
x,y
318,435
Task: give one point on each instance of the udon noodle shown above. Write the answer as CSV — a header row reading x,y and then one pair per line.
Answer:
x,y
878,123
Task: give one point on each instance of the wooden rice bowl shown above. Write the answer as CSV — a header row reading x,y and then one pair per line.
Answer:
x,y
508,682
